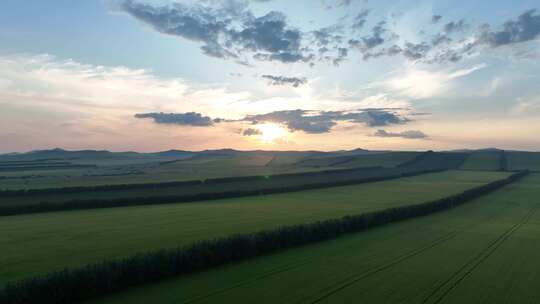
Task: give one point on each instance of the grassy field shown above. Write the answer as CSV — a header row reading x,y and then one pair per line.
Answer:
x,y
90,168
208,187
39,243
389,159
482,252
110,169
483,160
523,160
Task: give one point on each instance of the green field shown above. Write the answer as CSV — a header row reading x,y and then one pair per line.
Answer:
x,y
42,169
483,160
33,244
388,159
523,160
483,252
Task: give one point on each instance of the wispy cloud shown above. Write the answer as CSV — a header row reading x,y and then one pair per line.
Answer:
x,y
419,83
410,134
283,80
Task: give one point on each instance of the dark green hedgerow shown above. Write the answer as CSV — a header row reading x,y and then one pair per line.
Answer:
x,y
219,180
80,204
73,285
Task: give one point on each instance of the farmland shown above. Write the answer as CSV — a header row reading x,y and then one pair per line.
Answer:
x,y
59,168
78,237
484,251
483,160
40,200
523,160
121,206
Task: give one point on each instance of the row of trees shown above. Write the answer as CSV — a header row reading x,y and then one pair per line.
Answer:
x,y
425,161
78,204
95,280
221,180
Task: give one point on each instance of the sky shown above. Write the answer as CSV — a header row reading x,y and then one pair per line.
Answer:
x,y
153,75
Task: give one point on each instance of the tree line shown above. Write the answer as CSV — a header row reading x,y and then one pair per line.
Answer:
x,y
73,285
220,180
79,204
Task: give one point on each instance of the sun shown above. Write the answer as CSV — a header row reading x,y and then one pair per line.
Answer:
x,y
270,132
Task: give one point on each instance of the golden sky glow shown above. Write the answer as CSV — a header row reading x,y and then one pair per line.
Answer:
x,y
271,132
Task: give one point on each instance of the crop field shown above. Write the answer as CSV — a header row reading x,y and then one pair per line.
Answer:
x,y
58,168
387,159
483,160
523,160
78,169
109,196
39,243
485,251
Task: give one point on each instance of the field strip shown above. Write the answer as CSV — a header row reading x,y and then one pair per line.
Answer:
x,y
357,277
399,259
248,281
470,266
279,270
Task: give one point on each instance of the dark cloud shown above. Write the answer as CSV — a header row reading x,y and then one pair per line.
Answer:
x,y
328,35
436,18
312,122
251,132
411,134
230,30
525,28
226,31
415,51
321,122
296,120
440,39
342,55
360,20
453,26
376,38
331,4
329,42
282,80
184,119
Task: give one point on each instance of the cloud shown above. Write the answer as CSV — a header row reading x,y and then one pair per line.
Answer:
x,y
436,18
282,80
525,28
410,134
315,122
360,19
251,132
453,26
183,119
336,3
230,30
376,38
421,83
226,30
47,101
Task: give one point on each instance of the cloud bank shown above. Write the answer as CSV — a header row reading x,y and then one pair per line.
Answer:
x,y
230,30
183,119
311,122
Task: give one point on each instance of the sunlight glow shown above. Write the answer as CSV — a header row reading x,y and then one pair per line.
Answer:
x,y
271,132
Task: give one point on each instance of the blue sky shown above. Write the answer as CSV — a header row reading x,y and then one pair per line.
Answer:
x,y
254,75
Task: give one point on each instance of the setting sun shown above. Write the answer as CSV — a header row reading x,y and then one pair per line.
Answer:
x,y
271,132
